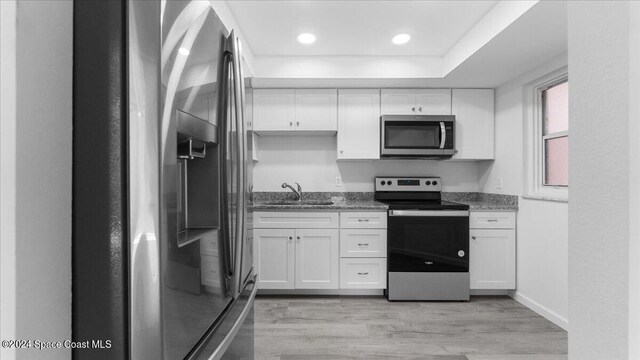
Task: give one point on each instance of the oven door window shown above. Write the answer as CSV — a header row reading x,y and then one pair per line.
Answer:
x,y
412,135
428,244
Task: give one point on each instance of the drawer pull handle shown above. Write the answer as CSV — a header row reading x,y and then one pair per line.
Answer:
x,y
363,273
492,220
363,244
363,220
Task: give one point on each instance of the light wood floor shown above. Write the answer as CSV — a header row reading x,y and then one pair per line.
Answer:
x,y
341,328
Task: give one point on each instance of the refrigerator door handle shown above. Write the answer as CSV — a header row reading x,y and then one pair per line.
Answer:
x,y
228,339
225,214
239,112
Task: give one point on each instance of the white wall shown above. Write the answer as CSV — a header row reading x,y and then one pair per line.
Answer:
x,y
7,174
41,112
600,45
311,161
542,235
634,182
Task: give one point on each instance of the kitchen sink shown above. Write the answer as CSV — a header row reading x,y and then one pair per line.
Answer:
x,y
295,202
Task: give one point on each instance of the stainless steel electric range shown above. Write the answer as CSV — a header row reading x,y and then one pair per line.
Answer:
x,y
427,240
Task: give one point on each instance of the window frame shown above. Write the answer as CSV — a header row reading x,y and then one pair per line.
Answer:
x,y
534,138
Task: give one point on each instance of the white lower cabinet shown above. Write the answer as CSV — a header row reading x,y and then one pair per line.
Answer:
x,y
317,255
363,242
320,250
275,258
492,252
363,273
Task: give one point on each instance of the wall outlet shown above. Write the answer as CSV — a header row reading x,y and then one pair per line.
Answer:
x,y
338,181
499,182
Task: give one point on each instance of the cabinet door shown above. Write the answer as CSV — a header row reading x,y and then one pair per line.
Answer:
x,y
316,109
433,101
398,102
317,259
359,124
473,109
492,259
273,110
275,258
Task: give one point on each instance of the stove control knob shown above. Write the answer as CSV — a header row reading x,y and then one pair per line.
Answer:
x,y
382,182
389,182
435,182
428,183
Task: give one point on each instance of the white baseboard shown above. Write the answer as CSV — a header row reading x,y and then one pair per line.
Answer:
x,y
323,292
483,292
541,310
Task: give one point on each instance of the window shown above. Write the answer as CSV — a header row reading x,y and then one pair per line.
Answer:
x,y
555,147
547,137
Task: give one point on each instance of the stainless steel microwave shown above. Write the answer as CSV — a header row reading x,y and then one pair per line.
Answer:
x,y
417,136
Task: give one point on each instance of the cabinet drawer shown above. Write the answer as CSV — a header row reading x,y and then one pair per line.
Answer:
x,y
363,243
363,220
295,220
363,273
492,220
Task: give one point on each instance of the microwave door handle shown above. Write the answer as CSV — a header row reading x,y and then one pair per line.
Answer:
x,y
443,135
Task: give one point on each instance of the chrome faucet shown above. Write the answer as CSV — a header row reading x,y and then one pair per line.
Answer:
x,y
298,193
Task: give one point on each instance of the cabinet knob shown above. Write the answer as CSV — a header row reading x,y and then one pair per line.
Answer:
x,y
298,237
291,123
473,237
297,123
413,108
420,108
290,237
341,152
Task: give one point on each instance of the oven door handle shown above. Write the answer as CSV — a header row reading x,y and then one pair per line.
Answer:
x,y
425,213
443,134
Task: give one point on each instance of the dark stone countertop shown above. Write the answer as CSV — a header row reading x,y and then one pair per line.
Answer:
x,y
482,201
364,201
347,201
369,205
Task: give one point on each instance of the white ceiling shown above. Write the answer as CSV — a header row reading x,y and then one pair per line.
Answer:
x,y
355,28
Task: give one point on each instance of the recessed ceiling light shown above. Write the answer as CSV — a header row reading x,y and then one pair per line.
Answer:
x,y
184,51
401,39
306,38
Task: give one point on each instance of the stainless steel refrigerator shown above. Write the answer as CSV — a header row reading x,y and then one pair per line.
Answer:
x,y
162,233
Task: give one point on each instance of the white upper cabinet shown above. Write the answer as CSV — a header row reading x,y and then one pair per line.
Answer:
x,y
416,102
358,124
474,135
433,101
289,110
398,102
273,110
316,109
